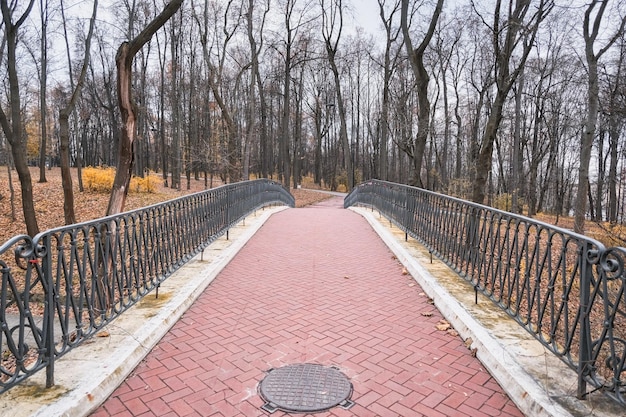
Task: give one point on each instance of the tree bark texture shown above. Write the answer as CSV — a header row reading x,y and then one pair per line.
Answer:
x,y
124,63
64,127
590,34
13,129
515,31
416,57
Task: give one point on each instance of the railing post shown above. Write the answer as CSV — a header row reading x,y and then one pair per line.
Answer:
x,y
584,352
228,212
48,278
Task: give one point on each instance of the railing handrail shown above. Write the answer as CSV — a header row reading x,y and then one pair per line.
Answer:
x,y
531,269
80,277
485,207
88,223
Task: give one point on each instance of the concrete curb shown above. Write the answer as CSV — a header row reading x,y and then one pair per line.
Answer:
x,y
538,382
86,376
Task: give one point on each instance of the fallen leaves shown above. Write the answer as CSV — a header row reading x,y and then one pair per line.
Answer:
x,y
307,197
468,344
48,200
443,325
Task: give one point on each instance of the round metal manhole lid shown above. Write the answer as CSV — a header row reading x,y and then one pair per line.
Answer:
x,y
305,388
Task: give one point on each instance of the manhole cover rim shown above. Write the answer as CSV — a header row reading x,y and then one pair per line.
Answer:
x,y
330,386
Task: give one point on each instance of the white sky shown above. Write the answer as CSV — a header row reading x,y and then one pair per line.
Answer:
x,y
366,15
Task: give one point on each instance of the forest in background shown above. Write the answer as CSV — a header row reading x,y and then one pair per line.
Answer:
x,y
509,103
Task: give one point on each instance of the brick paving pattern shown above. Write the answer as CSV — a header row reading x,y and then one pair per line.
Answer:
x,y
314,285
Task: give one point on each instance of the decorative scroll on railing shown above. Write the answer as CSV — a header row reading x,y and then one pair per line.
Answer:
x,y
565,289
62,286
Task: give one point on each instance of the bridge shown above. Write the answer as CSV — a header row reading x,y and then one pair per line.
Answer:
x,y
346,293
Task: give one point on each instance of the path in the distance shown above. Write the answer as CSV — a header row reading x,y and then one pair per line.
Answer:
x,y
314,285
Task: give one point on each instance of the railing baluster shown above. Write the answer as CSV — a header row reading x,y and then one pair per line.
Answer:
x,y
533,270
89,273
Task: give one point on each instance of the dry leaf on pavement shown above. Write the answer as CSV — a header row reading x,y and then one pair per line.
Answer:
x,y
443,325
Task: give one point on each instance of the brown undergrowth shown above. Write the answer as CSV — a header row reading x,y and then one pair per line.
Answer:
x,y
91,205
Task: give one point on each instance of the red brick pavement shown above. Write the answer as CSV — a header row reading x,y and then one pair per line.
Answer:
x,y
314,285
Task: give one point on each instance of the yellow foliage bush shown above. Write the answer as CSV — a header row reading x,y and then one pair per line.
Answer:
x,y
502,202
100,179
147,184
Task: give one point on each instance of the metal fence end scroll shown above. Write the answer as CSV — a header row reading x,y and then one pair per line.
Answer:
x,y
62,286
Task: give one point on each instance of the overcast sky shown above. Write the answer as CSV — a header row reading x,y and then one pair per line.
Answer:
x,y
366,14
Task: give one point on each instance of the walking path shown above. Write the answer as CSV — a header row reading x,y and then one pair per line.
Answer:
x,y
313,285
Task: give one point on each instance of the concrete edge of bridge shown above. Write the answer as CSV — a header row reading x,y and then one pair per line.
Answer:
x,y
85,377
537,381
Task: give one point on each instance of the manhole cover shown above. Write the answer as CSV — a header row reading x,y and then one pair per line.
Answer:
x,y
305,388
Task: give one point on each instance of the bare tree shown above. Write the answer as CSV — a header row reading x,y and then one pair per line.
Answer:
x,y
43,81
175,100
12,125
215,54
415,150
615,111
255,82
388,65
64,116
332,26
591,29
124,61
447,38
518,27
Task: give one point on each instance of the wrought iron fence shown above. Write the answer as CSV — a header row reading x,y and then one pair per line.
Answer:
x,y
62,286
564,288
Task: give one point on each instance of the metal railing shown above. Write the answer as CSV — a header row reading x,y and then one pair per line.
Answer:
x,y
564,288
64,285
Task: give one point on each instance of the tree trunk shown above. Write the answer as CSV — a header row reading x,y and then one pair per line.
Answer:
x,y
513,31
176,160
588,134
612,180
42,91
416,58
298,154
284,156
601,176
517,161
66,175
343,128
13,129
483,162
333,15
124,63
390,39
64,128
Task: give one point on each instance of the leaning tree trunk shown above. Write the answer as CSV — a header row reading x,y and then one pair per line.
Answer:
x,y
124,63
